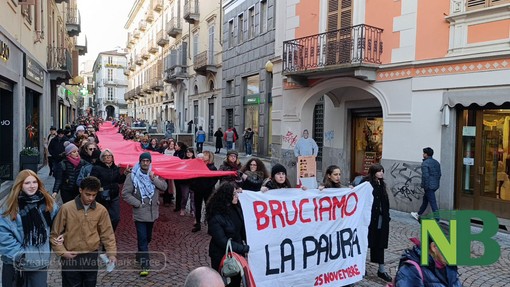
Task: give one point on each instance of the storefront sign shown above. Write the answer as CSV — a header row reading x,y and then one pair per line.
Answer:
x,y
468,131
5,51
253,99
33,71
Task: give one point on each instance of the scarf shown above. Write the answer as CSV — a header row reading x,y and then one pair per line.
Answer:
x,y
75,161
34,218
143,182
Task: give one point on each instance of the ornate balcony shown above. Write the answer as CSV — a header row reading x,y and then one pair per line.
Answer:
x,y
157,5
129,95
139,92
149,17
81,47
145,54
204,62
354,51
139,60
146,88
162,39
156,84
142,25
73,22
174,27
191,14
113,82
132,65
60,64
127,72
153,47
136,34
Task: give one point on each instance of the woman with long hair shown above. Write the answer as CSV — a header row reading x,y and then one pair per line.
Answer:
x,y
225,220
231,163
25,224
379,228
331,178
253,173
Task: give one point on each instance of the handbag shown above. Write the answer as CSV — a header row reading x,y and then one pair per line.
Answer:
x,y
231,267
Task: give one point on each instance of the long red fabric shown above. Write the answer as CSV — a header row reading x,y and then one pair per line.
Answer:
x,y
127,152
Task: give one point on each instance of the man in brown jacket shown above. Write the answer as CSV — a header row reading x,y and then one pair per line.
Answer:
x,y
84,224
141,191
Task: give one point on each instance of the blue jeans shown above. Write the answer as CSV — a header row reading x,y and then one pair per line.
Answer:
x,y
229,145
429,197
248,147
144,237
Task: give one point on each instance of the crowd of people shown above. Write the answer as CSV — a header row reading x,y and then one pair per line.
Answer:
x,y
90,186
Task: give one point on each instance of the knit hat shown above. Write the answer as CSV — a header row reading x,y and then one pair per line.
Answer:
x,y
70,148
145,155
232,152
80,128
278,168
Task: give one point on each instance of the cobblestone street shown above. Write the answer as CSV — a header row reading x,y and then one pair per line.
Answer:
x,y
178,251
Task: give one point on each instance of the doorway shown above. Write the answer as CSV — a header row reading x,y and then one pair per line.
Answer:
x,y
6,131
367,139
483,160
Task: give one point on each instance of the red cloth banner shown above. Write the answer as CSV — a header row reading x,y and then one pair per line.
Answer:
x,y
127,152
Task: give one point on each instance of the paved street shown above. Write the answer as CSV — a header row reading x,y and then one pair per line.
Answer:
x,y
182,251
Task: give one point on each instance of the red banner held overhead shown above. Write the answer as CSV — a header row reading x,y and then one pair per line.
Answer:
x,y
127,152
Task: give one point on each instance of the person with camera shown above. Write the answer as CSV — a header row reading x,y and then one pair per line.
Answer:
x,y
110,177
225,220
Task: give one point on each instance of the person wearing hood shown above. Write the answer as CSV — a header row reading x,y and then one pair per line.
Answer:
x,y
110,177
67,174
141,191
437,273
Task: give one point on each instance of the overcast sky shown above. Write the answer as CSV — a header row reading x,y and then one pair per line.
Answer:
x,y
103,22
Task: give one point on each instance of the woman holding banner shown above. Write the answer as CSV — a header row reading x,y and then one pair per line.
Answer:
x,y
225,220
379,228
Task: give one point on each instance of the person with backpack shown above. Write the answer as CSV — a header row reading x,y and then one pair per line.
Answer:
x,y
436,274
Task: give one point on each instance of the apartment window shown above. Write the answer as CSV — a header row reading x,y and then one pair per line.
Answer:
x,y
110,60
195,113
110,74
240,28
195,44
231,33
480,4
263,16
110,94
230,87
251,22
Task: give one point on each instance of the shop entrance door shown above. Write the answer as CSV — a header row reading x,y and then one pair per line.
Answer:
x,y
483,168
366,148
6,131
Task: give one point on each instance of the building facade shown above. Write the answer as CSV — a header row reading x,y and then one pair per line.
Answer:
x,y
174,63
37,51
110,84
379,87
248,46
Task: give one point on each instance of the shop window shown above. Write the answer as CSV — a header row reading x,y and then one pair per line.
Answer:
x,y
368,136
480,4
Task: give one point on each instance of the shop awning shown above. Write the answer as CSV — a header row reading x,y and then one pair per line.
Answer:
x,y
479,97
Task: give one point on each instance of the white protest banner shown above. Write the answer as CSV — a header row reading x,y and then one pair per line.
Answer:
x,y
307,238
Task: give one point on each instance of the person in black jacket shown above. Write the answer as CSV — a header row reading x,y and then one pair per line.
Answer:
x,y
379,228
219,140
253,173
67,173
56,149
203,188
109,175
225,220
231,163
180,152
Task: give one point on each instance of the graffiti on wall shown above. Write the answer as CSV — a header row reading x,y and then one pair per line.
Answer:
x,y
290,138
329,136
406,181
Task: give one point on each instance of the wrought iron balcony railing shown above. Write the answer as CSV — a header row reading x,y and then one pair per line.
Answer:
x,y
191,13
351,46
59,60
73,22
204,62
162,38
174,27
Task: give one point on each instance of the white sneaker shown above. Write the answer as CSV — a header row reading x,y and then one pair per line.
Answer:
x,y
415,215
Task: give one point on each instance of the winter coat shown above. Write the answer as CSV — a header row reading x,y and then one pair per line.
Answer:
x,y
380,207
148,210
56,146
200,136
65,179
408,276
11,242
236,179
221,227
204,184
110,178
430,174
253,181
219,138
